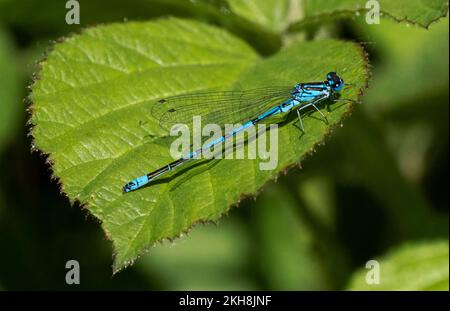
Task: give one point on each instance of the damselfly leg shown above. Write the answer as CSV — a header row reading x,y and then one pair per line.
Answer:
x,y
318,110
300,119
312,103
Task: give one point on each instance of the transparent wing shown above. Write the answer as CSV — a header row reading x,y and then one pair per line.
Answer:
x,y
218,107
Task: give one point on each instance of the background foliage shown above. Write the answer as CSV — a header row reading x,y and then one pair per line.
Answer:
x,y
377,189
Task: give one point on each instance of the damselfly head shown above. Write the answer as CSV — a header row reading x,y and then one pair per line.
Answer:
x,y
335,82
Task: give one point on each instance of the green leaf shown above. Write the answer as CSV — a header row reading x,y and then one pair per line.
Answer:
x,y
271,14
45,18
91,115
219,266
10,102
415,266
400,67
288,255
418,12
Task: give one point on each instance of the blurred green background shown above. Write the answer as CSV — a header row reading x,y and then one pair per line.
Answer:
x,y
378,189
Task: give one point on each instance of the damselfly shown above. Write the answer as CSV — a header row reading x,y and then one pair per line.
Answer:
x,y
231,107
